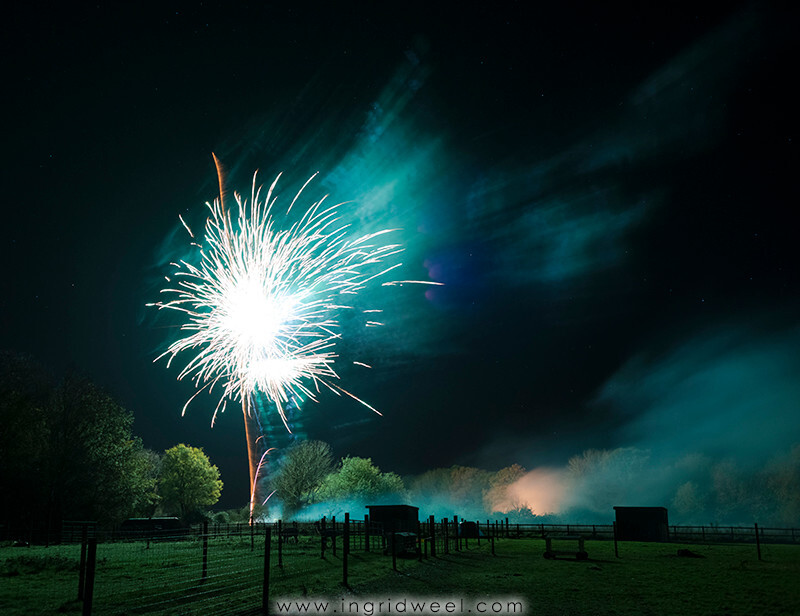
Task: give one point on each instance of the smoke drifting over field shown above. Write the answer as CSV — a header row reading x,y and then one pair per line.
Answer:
x,y
708,428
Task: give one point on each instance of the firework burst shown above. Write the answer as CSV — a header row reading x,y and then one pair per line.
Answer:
x,y
262,303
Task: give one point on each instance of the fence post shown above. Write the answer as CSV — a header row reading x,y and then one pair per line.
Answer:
x,y
457,536
82,569
322,536
265,586
394,553
492,545
205,552
88,591
252,536
419,541
758,543
345,547
432,524
333,534
616,549
478,527
366,532
280,543
446,536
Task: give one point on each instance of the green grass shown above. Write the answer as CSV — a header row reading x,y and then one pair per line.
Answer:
x,y
646,579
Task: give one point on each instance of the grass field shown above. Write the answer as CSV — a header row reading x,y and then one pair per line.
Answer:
x,y
646,579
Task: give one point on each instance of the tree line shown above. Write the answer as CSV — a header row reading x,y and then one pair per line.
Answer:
x,y
695,488
308,483
67,452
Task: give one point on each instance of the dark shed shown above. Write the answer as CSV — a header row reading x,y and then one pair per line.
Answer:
x,y
152,527
394,518
642,524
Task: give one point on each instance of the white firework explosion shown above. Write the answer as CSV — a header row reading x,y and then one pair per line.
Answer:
x,y
263,301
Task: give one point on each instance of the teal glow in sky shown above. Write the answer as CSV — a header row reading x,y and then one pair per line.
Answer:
x,y
606,196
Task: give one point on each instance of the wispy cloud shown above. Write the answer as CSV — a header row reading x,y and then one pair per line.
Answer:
x,y
571,215
732,391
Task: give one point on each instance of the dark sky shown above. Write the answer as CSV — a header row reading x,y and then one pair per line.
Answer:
x,y
609,198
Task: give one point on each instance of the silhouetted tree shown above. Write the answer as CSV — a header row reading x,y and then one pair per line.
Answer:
x,y
603,478
66,450
304,467
498,493
689,500
458,490
94,463
25,393
783,480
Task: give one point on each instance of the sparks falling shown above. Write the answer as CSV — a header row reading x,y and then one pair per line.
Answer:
x,y
262,304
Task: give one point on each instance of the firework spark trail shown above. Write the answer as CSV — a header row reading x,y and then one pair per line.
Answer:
x,y
262,303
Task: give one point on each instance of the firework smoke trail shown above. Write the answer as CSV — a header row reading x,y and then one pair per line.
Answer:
x,y
262,302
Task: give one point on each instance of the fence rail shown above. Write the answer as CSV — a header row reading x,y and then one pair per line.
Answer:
x,y
686,534
216,566
72,532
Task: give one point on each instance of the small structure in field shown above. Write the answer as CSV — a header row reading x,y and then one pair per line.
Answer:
x,y
398,523
152,527
551,554
642,524
470,530
395,518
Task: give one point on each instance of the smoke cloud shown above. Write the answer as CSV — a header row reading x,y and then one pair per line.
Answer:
x,y
707,428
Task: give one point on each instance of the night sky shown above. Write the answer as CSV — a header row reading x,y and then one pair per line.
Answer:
x,y
610,199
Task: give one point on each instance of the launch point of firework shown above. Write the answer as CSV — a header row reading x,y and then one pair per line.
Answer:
x,y
263,300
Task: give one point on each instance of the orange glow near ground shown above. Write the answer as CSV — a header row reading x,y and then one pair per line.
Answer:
x,y
542,490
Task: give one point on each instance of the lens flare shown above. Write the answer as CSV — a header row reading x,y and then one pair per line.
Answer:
x,y
263,302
